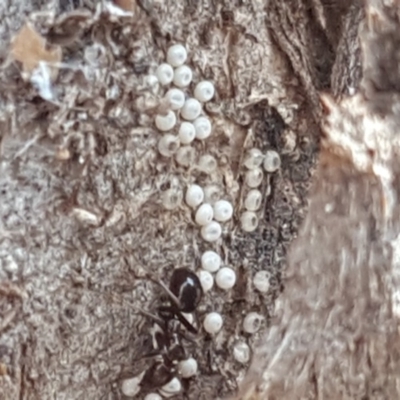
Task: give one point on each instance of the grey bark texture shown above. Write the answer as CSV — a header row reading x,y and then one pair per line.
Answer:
x,y
82,185
336,331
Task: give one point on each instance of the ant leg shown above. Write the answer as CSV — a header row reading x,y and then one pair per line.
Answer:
x,y
180,317
155,318
186,323
167,290
150,354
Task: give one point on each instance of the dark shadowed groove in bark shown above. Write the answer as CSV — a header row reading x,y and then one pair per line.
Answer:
x,y
347,70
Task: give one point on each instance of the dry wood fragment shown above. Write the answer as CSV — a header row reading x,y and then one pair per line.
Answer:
x,y
30,48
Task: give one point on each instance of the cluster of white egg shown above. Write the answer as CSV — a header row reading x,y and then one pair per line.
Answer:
x,y
254,160
225,279
192,125
208,216
182,109
181,123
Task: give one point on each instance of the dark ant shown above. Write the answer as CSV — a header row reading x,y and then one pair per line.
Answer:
x,y
169,352
184,294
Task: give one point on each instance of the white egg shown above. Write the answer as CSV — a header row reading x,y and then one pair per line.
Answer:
x,y
253,200
188,368
204,214
261,281
223,210
165,122
206,280
212,193
185,156
183,76
176,55
204,91
131,387
249,221
175,98
187,132
168,145
254,177
211,232
252,322
153,396
152,83
207,163
213,323
203,128
272,161
173,387
191,109
225,278
165,74
172,198
241,352
210,261
194,196
253,159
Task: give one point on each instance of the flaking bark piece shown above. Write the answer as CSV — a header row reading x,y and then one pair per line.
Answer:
x,y
30,48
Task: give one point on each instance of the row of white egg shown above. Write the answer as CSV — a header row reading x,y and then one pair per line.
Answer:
x,y
213,322
253,178
255,158
211,262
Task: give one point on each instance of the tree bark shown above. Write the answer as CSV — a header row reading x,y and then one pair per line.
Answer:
x,y
81,216
336,331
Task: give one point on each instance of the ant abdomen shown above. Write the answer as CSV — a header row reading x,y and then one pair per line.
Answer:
x,y
186,286
157,375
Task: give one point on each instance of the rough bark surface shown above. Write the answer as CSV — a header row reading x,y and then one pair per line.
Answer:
x,y
82,185
336,331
